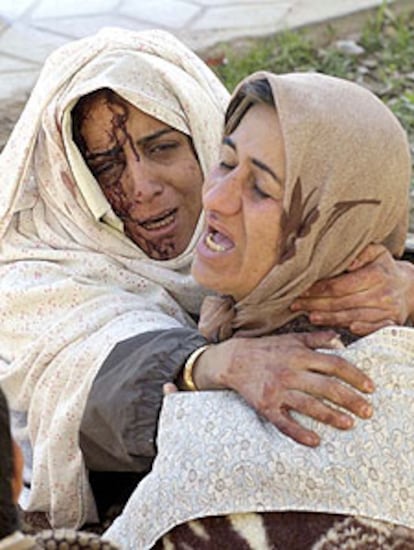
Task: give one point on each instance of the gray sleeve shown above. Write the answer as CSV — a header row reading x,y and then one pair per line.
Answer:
x,y
119,423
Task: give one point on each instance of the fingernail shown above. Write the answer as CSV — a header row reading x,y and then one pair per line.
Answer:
x,y
336,342
346,422
312,440
316,318
354,264
366,411
368,386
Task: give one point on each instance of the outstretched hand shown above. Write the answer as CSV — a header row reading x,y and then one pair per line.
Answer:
x,y
283,373
376,292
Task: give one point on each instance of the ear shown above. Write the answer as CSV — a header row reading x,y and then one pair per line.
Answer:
x,y
17,481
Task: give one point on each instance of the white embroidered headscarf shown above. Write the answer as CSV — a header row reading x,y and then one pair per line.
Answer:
x,y
71,284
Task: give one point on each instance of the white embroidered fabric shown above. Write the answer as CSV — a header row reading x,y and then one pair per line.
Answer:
x,y
217,456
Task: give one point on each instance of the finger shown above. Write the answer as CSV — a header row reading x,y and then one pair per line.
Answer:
x,y
291,428
342,285
315,408
370,253
327,339
327,387
335,366
169,388
345,318
360,298
361,328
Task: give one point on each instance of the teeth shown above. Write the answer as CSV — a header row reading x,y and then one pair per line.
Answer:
x,y
212,245
160,223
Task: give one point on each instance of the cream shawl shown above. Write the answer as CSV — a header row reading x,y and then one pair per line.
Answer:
x,y
347,181
71,284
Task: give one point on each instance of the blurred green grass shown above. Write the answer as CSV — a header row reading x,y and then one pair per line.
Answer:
x,y
384,62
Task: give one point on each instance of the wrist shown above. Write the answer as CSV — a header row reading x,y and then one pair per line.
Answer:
x,y
216,368
208,372
188,372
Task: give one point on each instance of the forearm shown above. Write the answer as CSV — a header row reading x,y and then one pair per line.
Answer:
x,y
120,419
407,271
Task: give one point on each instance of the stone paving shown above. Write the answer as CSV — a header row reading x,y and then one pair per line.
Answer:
x,y
31,29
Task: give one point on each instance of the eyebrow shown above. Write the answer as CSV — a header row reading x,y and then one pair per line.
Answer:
x,y
107,153
155,135
140,142
228,141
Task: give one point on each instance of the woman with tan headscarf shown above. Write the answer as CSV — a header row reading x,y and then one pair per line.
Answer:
x,y
284,207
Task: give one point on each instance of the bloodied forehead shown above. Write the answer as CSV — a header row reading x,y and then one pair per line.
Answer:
x,y
96,118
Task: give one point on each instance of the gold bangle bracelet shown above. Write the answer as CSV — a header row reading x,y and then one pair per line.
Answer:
x,y
189,366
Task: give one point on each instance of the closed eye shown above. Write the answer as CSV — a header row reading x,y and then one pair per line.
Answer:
x,y
260,193
106,167
106,160
226,165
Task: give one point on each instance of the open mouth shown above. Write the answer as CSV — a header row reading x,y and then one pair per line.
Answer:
x,y
158,222
217,242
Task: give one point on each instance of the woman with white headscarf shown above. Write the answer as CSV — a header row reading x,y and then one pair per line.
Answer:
x,y
284,207
73,284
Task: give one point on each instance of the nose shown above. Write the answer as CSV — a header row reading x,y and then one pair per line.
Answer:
x,y
143,182
222,193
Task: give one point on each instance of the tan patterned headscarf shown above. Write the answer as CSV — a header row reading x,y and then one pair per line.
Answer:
x,y
72,284
347,179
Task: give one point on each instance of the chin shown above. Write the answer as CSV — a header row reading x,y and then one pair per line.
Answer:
x,y
212,284
204,277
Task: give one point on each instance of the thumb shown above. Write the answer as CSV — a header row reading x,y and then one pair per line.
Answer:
x,y
169,388
323,339
368,255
